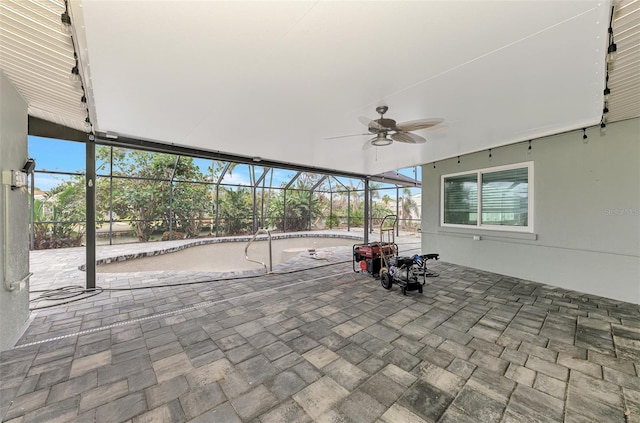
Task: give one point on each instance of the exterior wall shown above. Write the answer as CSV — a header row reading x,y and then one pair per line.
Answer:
x,y
14,305
586,214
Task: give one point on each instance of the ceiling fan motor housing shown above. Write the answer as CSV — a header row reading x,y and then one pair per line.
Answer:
x,y
382,125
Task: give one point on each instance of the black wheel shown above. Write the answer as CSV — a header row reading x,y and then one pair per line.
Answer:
x,y
385,280
420,289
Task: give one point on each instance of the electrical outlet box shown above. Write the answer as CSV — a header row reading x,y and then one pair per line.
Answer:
x,y
19,179
476,238
15,178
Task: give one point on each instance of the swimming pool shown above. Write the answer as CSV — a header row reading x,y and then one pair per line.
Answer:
x,y
224,256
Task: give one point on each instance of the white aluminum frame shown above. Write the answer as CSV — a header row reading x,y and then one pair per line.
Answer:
x,y
530,199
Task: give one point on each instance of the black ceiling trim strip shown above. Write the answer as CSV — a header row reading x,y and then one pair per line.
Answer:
x,y
42,128
159,147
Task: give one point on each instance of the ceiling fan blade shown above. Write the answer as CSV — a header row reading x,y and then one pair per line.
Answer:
x,y
367,145
408,138
415,125
369,123
344,136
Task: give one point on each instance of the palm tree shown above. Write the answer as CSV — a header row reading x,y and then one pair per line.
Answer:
x,y
407,205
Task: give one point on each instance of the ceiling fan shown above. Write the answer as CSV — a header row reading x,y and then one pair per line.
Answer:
x,y
387,130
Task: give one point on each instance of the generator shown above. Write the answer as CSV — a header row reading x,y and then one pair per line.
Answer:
x,y
370,257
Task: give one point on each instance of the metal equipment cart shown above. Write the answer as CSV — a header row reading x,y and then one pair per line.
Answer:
x,y
373,257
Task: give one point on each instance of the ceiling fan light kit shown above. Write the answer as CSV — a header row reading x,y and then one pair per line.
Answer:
x,y
381,140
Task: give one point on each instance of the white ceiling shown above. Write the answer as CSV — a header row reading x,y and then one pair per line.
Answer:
x,y
274,79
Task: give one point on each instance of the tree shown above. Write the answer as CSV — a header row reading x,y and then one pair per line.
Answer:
x,y
146,193
63,205
235,209
407,205
301,206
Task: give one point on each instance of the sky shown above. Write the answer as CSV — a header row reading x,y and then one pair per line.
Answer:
x,y
69,156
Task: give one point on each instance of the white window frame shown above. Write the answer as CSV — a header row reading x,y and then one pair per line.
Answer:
x,y
479,173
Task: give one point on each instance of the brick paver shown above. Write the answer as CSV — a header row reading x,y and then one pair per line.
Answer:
x,y
324,344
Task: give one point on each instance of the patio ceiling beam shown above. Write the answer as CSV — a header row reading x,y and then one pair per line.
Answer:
x,y
139,144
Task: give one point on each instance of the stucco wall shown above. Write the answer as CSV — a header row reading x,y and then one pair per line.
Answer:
x,y
14,305
586,214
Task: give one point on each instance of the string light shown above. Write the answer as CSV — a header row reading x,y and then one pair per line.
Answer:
x,y
585,138
65,20
490,155
76,76
612,50
434,165
75,73
529,148
458,159
612,55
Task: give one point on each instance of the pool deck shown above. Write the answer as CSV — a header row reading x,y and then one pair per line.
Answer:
x,y
323,345
63,267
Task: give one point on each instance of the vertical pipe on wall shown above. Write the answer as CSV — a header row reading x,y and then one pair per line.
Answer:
x,y
90,181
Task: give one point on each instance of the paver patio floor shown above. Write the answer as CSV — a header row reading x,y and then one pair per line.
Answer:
x,y
327,345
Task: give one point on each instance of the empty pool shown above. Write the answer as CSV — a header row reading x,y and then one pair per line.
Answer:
x,y
225,256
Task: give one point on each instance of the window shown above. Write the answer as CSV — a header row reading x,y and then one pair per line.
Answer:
x,y
496,198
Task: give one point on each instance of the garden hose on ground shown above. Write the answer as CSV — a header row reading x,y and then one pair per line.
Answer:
x,y
72,293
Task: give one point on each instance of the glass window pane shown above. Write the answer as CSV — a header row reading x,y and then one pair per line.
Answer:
x,y
461,200
505,197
